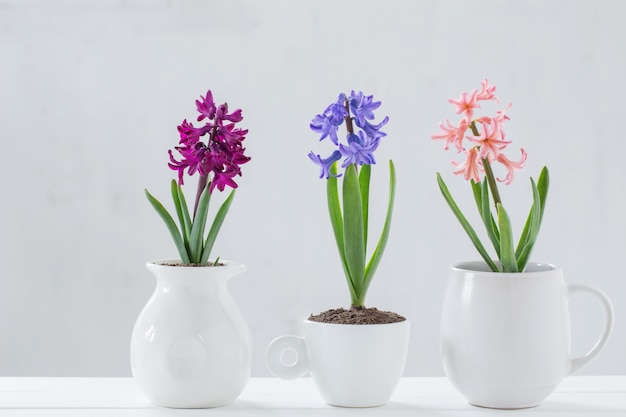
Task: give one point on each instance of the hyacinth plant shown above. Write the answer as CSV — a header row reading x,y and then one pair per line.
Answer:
x,y
216,161
481,140
355,156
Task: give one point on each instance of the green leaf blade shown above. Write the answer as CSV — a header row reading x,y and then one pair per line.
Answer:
x,y
471,233
182,211
364,185
377,255
171,227
534,223
196,238
478,195
215,228
507,252
353,236
485,213
543,184
336,221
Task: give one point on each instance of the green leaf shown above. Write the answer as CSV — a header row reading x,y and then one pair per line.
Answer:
x,y
182,211
364,184
196,238
478,195
336,220
533,225
465,224
490,224
171,227
215,228
377,255
353,236
543,184
481,196
507,252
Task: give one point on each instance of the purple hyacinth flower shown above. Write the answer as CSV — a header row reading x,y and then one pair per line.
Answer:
x,y
321,124
191,159
223,179
336,112
360,150
189,134
362,107
326,163
328,123
363,136
206,107
221,154
373,130
222,114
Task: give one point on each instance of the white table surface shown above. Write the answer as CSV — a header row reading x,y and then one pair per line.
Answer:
x,y
597,396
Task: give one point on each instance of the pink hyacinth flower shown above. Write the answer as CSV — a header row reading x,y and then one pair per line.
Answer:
x,y
490,141
466,104
487,91
471,167
452,134
501,117
511,166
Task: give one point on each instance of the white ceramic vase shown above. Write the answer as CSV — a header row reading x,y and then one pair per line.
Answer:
x,y
190,347
351,365
505,337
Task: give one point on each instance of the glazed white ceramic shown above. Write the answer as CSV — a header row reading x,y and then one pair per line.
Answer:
x,y
190,346
351,365
505,337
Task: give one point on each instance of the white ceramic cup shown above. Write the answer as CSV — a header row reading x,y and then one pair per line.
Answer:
x,y
505,337
351,365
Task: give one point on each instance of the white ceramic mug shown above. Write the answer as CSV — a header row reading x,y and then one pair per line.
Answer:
x,y
505,337
351,365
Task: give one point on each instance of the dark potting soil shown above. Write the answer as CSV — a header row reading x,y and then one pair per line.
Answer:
x,y
190,265
362,315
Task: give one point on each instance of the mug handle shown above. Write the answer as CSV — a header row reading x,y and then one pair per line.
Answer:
x,y
274,357
580,362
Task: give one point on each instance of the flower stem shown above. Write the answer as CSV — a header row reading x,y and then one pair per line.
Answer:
x,y
204,178
348,118
492,182
202,183
488,171
474,129
349,126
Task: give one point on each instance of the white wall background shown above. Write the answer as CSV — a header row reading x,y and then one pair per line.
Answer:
x,y
91,93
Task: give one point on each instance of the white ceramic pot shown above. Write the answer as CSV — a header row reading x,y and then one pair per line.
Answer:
x,y
351,365
190,346
505,337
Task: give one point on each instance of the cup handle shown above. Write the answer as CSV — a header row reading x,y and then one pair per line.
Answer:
x,y
274,357
580,362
